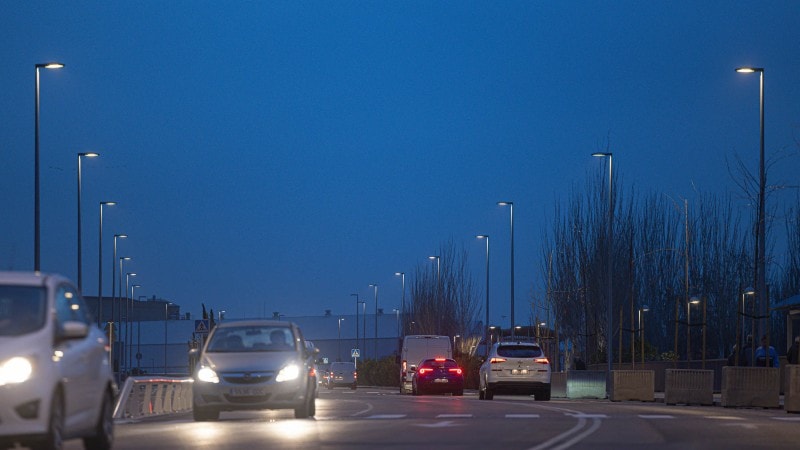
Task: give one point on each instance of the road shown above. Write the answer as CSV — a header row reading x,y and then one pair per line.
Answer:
x,y
371,418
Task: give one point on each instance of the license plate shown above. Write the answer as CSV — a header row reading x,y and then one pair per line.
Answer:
x,y
519,371
441,380
246,391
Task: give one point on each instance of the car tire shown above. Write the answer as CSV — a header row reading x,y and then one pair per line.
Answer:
x,y
103,437
54,439
488,393
480,394
414,390
200,414
543,394
306,409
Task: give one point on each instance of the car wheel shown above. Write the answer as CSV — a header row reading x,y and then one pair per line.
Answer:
x,y
54,439
306,409
200,414
480,394
414,389
488,394
103,436
543,394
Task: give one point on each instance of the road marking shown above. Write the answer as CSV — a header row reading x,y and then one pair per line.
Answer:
x,y
522,416
587,416
442,424
788,419
386,416
725,417
454,416
655,416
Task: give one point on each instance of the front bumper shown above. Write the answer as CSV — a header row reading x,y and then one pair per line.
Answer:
x,y
270,395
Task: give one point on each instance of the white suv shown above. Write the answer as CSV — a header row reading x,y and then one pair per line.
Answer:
x,y
55,380
515,368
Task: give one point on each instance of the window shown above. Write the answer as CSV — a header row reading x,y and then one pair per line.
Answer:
x,y
519,351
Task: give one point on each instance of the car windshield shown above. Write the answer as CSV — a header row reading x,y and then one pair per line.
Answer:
x,y
251,339
519,351
22,309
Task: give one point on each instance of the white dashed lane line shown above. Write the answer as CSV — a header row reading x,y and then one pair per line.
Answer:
x,y
655,416
454,416
522,416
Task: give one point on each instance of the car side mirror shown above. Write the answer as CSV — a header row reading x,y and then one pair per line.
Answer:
x,y
73,330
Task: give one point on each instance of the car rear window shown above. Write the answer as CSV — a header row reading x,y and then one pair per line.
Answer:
x,y
519,351
448,363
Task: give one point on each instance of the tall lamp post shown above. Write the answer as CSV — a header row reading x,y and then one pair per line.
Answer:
x,y
397,320
692,301
100,272
363,327
402,275
760,269
375,288
129,331
609,260
511,207
114,277
36,216
486,325
339,341
642,310
438,292
127,300
747,291
80,264
705,305
357,302
166,318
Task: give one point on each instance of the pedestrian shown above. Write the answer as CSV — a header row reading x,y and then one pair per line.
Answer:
x,y
766,357
793,354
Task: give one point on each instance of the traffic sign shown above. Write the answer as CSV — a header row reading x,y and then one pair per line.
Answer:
x,y
201,326
355,353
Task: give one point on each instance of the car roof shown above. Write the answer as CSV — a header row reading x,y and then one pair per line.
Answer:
x,y
29,278
504,343
255,322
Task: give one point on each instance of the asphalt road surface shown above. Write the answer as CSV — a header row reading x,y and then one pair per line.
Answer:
x,y
371,418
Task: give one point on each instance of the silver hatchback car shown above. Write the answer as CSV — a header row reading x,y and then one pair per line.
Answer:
x,y
515,368
55,379
254,364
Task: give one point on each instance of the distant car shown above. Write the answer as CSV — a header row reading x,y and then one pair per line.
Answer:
x,y
55,380
438,376
254,364
417,347
342,374
323,374
515,368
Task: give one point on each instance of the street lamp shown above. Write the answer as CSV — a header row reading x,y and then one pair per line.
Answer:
x,y
100,269
166,317
80,265
363,326
375,286
692,301
357,302
36,218
642,310
438,292
610,260
129,331
339,341
127,289
511,207
761,231
114,277
705,305
397,320
402,275
747,291
486,326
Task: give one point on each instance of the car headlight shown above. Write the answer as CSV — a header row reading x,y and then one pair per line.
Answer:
x,y
207,375
290,372
15,370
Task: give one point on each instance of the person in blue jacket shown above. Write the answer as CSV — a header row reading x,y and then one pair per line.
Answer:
x,y
766,358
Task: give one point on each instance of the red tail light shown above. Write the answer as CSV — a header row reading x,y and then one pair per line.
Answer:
x,y
456,371
424,370
497,360
541,361
312,372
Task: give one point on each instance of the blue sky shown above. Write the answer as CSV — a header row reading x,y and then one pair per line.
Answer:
x,y
279,156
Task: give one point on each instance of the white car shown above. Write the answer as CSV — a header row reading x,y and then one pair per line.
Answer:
x,y
515,368
55,379
254,364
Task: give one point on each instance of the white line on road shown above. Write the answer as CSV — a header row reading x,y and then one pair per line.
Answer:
x,y
386,416
442,424
522,416
588,416
454,416
788,419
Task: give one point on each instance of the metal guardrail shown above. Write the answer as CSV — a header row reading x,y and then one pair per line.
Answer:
x,y
150,396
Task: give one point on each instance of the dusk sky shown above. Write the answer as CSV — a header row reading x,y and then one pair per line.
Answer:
x,y
279,156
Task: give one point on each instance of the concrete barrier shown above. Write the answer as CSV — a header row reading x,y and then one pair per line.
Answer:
x,y
148,396
586,384
791,399
690,387
751,386
558,384
632,385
